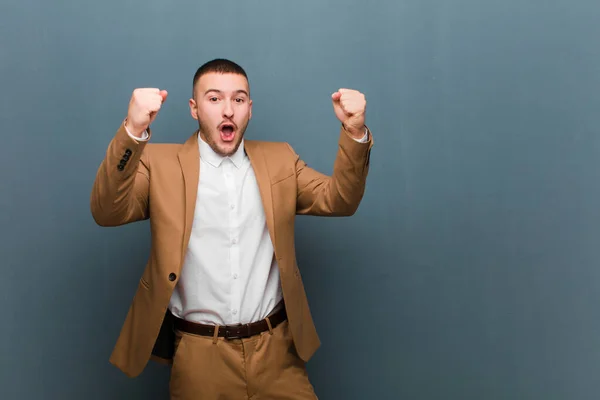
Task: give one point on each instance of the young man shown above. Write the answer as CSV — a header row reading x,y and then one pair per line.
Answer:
x,y
221,297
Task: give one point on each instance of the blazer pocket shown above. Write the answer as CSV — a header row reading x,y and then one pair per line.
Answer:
x,y
281,176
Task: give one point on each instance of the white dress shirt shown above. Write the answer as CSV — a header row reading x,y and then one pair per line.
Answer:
x,y
230,274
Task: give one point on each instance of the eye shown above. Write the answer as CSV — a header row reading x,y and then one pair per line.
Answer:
x,y
239,100
213,99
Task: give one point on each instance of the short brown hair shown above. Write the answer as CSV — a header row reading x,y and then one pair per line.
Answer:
x,y
220,66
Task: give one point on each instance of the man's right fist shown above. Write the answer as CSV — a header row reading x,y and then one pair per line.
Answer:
x,y
143,108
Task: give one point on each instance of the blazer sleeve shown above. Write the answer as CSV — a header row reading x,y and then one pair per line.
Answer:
x,y
341,193
120,190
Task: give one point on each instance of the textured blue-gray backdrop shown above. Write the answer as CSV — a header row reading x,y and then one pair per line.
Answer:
x,y
471,268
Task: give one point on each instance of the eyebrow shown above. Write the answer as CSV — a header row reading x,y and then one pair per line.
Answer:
x,y
219,91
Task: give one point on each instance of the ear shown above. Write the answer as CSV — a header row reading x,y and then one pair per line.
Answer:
x,y
193,109
250,110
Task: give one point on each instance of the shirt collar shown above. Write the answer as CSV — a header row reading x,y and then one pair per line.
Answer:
x,y
207,154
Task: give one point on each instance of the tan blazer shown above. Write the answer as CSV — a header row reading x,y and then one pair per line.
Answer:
x,y
137,181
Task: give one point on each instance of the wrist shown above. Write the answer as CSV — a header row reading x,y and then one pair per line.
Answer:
x,y
356,133
133,130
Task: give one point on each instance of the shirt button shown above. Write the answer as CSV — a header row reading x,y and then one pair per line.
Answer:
x,y
234,312
235,276
232,206
234,241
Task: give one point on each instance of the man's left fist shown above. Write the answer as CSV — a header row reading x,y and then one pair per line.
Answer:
x,y
349,106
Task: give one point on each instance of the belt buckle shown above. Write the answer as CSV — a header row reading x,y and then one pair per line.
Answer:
x,y
237,332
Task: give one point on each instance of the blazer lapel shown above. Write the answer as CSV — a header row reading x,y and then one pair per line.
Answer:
x,y
259,164
189,159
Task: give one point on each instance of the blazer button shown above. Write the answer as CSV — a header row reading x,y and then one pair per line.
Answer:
x,y
128,152
172,277
120,167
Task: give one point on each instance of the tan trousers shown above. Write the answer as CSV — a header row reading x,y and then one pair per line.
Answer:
x,y
262,367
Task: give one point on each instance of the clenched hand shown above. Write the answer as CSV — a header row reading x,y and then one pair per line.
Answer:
x,y
143,108
349,106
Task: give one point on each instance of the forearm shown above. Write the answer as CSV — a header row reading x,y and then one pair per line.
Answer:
x,y
120,190
341,193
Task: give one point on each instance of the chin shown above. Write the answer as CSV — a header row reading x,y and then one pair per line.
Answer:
x,y
227,149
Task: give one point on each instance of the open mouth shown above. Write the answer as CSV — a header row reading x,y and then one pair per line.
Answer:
x,y
227,132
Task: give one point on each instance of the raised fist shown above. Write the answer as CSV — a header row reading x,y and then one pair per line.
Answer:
x,y
349,106
143,108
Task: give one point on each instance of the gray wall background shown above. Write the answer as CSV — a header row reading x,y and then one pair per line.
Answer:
x,y
471,268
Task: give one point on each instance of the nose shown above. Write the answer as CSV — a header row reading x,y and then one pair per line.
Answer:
x,y
228,110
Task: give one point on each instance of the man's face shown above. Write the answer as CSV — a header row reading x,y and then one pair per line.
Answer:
x,y
222,106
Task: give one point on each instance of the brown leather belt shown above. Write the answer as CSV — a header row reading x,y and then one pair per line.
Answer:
x,y
232,331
